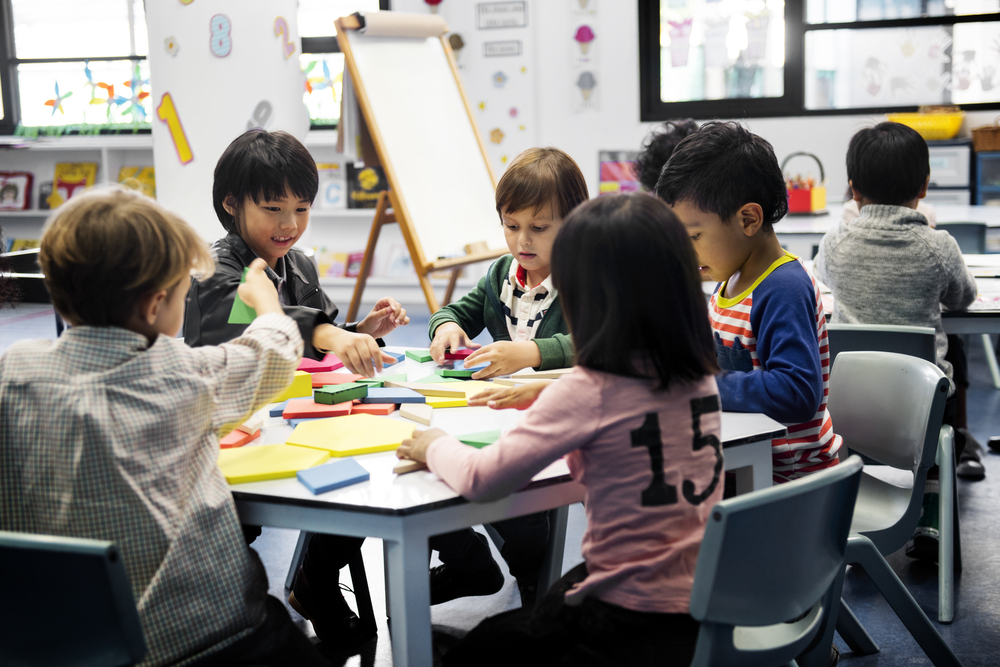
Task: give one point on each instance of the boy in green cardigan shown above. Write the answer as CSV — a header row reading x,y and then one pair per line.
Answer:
x,y
515,301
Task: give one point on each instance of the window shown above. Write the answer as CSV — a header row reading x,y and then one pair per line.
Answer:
x,y
801,57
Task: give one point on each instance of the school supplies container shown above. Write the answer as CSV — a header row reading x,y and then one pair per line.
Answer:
x,y
931,125
806,195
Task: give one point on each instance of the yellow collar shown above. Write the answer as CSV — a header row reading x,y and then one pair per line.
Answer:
x,y
729,303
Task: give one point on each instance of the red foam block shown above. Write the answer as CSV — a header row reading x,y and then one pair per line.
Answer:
x,y
307,408
329,363
458,354
380,409
324,379
237,438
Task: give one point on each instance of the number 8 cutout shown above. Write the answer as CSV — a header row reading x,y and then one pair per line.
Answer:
x,y
221,42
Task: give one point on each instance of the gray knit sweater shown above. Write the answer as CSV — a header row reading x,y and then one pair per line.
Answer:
x,y
889,267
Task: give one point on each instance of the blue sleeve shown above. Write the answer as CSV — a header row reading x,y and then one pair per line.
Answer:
x,y
788,386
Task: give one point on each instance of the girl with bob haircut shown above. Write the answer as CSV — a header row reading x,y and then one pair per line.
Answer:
x,y
638,421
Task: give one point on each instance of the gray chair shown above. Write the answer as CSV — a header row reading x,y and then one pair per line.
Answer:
x,y
70,604
765,559
915,341
889,407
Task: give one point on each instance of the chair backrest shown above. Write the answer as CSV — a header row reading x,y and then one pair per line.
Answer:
x,y
971,236
888,407
66,601
768,558
917,342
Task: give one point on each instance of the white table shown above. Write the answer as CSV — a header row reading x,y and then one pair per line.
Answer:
x,y
404,511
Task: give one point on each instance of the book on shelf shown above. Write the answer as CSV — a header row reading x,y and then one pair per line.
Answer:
x,y
364,185
15,190
332,186
142,179
70,179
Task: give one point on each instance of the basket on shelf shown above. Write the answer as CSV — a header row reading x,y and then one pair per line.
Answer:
x,y
805,196
987,137
932,125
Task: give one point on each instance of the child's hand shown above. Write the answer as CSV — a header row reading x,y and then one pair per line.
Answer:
x,y
257,291
450,336
519,398
359,352
504,357
415,448
384,318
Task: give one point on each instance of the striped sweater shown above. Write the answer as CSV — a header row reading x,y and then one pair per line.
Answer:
x,y
772,347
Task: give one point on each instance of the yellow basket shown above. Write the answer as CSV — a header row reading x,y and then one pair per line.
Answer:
x,y
931,126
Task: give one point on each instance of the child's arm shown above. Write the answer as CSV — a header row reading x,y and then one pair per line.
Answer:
x,y
958,290
466,314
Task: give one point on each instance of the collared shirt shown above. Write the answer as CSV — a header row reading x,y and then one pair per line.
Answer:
x,y
524,307
279,276
105,436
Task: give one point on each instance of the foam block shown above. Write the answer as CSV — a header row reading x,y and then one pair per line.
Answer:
x,y
445,402
428,389
307,408
554,374
420,355
252,425
257,464
436,379
398,356
326,379
393,395
380,409
340,393
353,435
418,412
300,388
237,438
458,354
462,372
406,466
380,381
331,476
296,422
276,410
328,363
481,439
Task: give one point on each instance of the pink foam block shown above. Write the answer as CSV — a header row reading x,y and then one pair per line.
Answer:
x,y
458,354
307,408
324,379
237,438
329,363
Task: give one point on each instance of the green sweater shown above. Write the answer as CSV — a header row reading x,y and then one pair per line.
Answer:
x,y
481,309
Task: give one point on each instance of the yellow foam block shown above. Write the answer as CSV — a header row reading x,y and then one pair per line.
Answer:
x,y
352,435
473,387
445,402
301,387
257,464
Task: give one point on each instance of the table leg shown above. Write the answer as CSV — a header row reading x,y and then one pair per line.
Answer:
x,y
409,594
553,561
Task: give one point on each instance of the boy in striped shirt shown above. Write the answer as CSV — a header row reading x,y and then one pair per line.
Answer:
x,y
725,185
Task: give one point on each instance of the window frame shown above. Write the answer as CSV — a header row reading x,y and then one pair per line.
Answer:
x,y
792,103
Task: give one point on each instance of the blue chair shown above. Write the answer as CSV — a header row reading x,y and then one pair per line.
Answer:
x,y
69,604
765,560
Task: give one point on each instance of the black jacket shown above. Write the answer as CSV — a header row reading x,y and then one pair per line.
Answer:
x,y
206,321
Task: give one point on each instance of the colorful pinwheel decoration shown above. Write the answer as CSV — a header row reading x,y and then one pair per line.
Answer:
x,y
137,96
321,82
56,103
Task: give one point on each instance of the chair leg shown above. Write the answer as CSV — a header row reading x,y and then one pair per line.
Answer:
x,y
991,360
862,550
362,594
946,543
853,633
297,556
819,655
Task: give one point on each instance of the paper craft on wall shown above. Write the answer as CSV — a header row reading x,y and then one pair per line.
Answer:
x,y
457,44
281,30
680,42
584,36
261,115
221,42
56,103
171,46
168,114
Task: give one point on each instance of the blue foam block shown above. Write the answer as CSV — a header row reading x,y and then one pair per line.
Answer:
x,y
278,409
393,395
296,422
330,476
398,356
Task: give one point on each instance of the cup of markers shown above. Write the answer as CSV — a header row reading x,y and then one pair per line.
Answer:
x,y
806,195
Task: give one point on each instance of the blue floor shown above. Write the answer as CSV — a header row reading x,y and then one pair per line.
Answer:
x,y
974,636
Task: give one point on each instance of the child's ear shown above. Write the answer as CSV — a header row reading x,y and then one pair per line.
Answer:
x,y
923,190
856,196
750,218
149,306
229,203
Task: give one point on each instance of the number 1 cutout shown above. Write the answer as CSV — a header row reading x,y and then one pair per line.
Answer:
x,y
168,114
648,435
281,28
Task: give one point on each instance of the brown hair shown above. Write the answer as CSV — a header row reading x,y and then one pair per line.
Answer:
x,y
539,176
105,249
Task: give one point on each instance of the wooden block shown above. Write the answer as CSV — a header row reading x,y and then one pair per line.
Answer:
x,y
542,375
506,382
252,425
420,355
393,395
264,462
436,379
331,476
406,466
462,372
353,435
237,438
458,354
276,410
329,363
380,409
481,439
428,389
300,388
307,408
418,412
445,402
327,379
340,393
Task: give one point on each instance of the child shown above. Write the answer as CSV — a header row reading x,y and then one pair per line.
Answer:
x,y
265,183
725,185
657,149
889,267
110,432
642,394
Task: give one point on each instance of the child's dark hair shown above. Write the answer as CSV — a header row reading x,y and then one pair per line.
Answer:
x,y
720,168
628,282
539,176
888,163
657,149
263,166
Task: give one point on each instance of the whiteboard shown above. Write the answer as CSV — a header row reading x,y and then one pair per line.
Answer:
x,y
429,145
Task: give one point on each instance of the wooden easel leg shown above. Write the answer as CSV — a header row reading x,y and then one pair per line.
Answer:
x,y
452,281
366,263
425,285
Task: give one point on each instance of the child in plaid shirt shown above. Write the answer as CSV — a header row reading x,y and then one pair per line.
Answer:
x,y
111,431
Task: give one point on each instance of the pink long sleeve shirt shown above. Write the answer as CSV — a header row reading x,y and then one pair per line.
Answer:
x,y
651,462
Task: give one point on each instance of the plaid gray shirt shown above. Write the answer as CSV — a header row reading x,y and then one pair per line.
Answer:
x,y
105,436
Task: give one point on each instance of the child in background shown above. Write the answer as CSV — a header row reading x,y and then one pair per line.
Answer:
x,y
641,393
725,185
265,183
657,149
889,267
109,433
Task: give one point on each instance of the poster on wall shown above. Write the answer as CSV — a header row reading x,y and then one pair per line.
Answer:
x,y
584,52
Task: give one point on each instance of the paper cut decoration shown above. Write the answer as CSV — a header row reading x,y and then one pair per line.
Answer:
x,y
380,409
584,36
328,363
281,28
496,135
418,412
353,435
325,379
332,476
252,425
714,44
680,42
171,45
407,466
56,103
237,438
307,408
301,387
393,395
433,4
513,112
499,79
275,411
264,462
168,114
480,440
586,83
137,95
420,355
241,313
221,42
456,42
482,106
757,37
340,393
261,116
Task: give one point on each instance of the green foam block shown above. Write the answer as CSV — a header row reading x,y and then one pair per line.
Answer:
x,y
480,440
419,355
241,313
340,393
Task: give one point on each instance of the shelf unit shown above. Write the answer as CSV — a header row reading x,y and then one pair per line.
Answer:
x,y
988,178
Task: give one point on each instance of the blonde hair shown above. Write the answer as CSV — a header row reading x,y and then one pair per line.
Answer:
x,y
105,249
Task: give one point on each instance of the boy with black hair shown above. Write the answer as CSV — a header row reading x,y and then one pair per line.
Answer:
x,y
725,185
657,149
